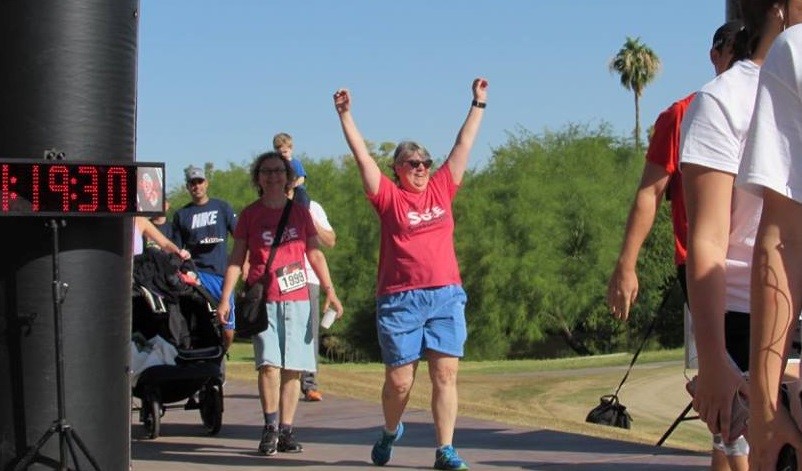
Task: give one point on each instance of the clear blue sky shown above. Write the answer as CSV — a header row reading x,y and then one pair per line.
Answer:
x,y
216,79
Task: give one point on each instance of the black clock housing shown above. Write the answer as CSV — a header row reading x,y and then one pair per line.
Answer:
x,y
80,188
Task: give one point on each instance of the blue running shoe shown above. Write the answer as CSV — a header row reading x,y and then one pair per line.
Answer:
x,y
383,449
446,457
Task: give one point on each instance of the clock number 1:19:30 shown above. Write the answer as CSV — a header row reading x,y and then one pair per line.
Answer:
x,y
64,188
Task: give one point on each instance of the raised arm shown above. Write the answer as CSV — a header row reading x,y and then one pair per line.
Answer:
x,y
368,169
458,158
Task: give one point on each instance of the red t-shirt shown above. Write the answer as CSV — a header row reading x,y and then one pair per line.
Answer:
x,y
257,225
417,235
664,151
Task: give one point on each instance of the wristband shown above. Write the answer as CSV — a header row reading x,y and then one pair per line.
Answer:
x,y
478,104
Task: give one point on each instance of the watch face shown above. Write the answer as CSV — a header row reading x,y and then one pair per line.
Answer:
x,y
69,188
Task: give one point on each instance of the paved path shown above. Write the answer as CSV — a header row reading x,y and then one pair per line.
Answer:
x,y
337,434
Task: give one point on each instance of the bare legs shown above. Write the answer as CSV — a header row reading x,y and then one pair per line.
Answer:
x,y
398,381
279,391
443,373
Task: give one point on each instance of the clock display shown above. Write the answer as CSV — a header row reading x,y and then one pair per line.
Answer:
x,y
69,188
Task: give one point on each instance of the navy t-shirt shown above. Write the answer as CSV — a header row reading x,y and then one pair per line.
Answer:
x,y
203,230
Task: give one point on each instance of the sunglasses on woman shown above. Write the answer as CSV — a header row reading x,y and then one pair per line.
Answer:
x,y
417,163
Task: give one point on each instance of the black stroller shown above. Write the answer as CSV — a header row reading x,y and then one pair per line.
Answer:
x,y
168,308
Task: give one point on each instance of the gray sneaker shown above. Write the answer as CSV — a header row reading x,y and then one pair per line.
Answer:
x,y
287,443
269,444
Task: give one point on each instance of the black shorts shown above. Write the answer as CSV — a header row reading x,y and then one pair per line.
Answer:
x,y
736,337
683,282
736,328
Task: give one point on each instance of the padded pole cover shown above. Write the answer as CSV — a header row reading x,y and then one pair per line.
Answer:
x,y
68,83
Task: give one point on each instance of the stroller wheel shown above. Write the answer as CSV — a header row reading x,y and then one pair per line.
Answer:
x,y
152,420
211,408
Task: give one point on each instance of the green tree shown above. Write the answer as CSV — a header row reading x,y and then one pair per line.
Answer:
x,y
637,65
537,234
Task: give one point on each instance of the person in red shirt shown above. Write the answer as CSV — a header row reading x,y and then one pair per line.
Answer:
x,y
420,305
285,348
661,176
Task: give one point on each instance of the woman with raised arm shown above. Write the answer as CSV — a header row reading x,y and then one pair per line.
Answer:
x,y
420,304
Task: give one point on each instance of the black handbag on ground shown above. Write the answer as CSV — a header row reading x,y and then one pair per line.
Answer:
x,y
250,302
610,412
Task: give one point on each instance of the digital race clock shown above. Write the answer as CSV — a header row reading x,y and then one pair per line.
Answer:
x,y
72,188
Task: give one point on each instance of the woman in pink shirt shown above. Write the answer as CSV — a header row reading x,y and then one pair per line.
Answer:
x,y
420,302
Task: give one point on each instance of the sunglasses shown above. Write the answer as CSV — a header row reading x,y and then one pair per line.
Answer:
x,y
415,164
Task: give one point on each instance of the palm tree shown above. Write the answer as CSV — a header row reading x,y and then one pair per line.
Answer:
x,y
637,65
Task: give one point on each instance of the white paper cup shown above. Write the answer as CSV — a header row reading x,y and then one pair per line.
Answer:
x,y
328,318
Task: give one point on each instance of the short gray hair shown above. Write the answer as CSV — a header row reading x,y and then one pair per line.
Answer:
x,y
406,148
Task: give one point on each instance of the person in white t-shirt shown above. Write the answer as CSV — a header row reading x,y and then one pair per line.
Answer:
x,y
327,238
772,169
722,222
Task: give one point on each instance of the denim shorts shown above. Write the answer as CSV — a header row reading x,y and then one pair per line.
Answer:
x,y
411,322
287,342
214,285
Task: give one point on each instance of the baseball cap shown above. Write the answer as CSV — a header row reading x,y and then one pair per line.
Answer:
x,y
725,33
194,173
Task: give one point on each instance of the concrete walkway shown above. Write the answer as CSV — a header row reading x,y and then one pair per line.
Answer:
x,y
338,433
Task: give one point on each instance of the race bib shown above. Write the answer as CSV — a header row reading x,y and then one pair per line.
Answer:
x,y
291,277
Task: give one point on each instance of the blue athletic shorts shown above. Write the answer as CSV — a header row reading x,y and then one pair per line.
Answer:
x,y
411,322
214,285
288,341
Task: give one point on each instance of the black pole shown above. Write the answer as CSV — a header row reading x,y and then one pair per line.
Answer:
x,y
69,83
68,438
58,292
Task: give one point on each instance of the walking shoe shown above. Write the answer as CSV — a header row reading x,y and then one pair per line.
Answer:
x,y
269,443
313,395
383,449
446,457
287,442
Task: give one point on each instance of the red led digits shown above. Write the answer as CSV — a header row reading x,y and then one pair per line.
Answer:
x,y
31,187
35,188
89,190
4,190
60,185
117,195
